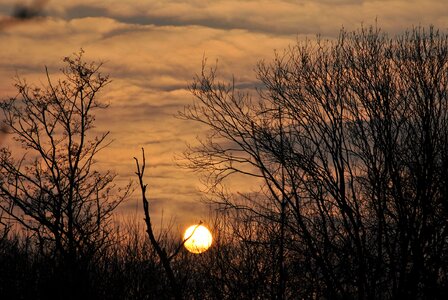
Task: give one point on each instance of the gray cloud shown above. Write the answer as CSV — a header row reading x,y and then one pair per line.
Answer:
x,y
152,49
84,10
272,17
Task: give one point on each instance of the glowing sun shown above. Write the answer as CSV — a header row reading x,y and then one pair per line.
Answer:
x,y
197,239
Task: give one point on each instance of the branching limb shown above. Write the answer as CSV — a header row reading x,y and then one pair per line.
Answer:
x,y
160,251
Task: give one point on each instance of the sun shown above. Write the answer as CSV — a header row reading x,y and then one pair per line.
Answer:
x,y
197,239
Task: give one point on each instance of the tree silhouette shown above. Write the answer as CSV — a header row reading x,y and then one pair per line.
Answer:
x,y
165,255
349,140
56,192
165,258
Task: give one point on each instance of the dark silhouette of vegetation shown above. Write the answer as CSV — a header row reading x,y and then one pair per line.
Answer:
x,y
165,257
53,191
346,147
349,141
161,252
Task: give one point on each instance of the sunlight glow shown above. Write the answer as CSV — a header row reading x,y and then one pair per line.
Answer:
x,y
197,239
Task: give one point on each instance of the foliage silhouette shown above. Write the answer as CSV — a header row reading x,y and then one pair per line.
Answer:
x,y
349,141
54,191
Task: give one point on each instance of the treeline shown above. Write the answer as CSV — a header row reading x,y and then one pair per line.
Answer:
x,y
346,141
237,266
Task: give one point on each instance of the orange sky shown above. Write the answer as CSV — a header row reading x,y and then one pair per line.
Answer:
x,y
152,49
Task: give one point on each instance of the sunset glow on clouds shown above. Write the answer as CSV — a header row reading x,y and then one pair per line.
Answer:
x,y
152,49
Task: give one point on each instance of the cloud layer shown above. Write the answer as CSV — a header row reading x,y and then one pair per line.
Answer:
x,y
152,49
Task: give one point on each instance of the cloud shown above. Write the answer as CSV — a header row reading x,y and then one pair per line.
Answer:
x,y
83,11
20,13
152,49
271,17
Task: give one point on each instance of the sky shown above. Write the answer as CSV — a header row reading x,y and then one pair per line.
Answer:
x,y
152,50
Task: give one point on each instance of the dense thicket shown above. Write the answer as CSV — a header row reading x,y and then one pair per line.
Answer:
x,y
131,268
349,141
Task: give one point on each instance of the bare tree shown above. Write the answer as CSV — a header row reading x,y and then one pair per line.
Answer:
x,y
54,187
349,140
166,256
